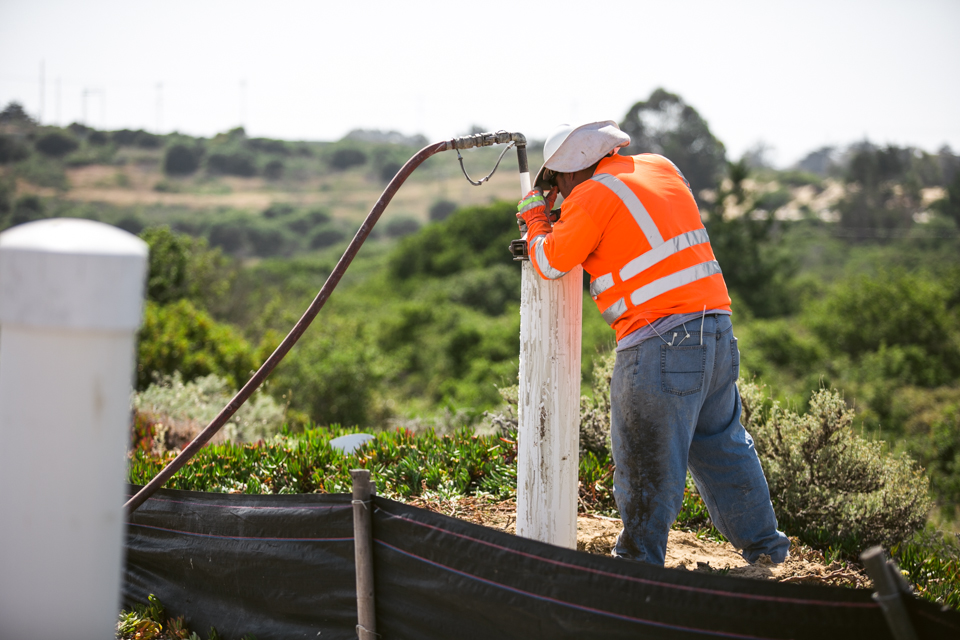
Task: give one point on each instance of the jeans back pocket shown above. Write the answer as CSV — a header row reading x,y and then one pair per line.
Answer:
x,y
681,369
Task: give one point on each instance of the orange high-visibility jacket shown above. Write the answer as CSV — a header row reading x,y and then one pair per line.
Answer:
x,y
636,230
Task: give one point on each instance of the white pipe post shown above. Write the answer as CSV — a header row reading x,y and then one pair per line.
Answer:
x,y
71,295
549,404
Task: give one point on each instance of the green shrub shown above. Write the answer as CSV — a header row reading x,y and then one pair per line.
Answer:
x,y
138,138
441,210
829,486
333,374
489,290
326,238
595,410
470,238
98,138
15,114
182,160
388,170
25,209
183,267
180,337
237,163
899,322
273,170
308,221
931,419
266,145
56,144
192,405
345,158
399,227
12,150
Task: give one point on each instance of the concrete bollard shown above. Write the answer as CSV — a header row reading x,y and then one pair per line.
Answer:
x,y
549,407
71,295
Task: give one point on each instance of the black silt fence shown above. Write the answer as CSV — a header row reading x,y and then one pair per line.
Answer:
x,y
283,567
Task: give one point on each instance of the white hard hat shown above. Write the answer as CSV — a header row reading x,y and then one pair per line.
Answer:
x,y
570,149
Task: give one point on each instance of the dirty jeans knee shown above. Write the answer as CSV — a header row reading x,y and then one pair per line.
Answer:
x,y
649,451
674,405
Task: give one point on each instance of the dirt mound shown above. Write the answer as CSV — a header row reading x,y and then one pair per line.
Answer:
x,y
686,551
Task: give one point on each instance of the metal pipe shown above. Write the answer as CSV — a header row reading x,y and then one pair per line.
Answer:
x,y
465,142
888,593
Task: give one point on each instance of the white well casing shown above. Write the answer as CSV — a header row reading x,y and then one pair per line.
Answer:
x,y
71,297
549,407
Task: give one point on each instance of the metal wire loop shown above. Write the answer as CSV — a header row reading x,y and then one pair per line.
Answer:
x,y
479,182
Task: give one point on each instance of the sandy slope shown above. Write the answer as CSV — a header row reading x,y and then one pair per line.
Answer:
x,y
685,550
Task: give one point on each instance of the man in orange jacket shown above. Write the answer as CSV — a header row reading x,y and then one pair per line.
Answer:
x,y
633,224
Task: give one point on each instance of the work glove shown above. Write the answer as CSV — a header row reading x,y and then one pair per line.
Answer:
x,y
534,210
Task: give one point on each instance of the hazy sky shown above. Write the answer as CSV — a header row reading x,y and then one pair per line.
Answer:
x,y
795,76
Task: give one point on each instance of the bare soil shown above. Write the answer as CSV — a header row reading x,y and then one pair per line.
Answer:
x,y
686,550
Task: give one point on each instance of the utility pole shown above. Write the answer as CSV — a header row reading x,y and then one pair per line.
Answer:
x,y
43,84
59,121
549,404
159,107
243,103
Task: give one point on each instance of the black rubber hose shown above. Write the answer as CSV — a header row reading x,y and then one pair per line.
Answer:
x,y
267,367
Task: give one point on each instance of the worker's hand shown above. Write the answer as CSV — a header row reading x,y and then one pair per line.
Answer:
x,y
535,206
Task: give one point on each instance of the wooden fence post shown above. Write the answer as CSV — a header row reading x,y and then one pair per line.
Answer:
x,y
363,553
71,295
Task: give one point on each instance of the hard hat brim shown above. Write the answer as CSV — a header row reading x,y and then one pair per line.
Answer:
x,y
583,147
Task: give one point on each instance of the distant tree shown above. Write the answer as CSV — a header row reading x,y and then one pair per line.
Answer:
x,y
821,162
399,227
665,124
232,164
883,195
278,210
79,130
308,221
56,143
471,238
137,138
273,170
98,138
441,209
326,237
11,150
346,158
950,204
184,267
14,113
266,145
181,159
746,247
388,170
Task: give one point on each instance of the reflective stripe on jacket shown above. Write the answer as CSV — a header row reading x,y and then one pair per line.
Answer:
x,y
636,229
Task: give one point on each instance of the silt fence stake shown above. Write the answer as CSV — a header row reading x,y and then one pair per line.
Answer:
x,y
363,553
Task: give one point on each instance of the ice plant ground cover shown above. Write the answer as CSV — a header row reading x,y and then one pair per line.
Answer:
x,y
412,466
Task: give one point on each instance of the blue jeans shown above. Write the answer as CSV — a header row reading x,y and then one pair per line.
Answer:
x,y
676,407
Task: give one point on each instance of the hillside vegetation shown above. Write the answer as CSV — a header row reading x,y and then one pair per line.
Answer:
x,y
844,272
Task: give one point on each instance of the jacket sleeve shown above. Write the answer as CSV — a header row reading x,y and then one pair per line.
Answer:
x,y
573,238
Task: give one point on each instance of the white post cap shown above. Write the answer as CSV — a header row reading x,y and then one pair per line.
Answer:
x,y
73,274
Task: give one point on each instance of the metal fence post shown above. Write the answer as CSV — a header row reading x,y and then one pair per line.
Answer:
x,y
888,593
71,295
363,553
